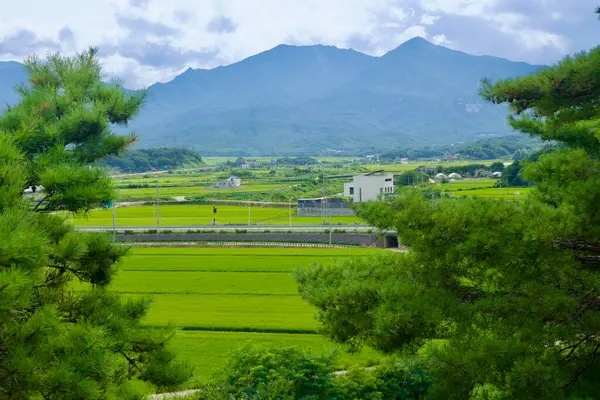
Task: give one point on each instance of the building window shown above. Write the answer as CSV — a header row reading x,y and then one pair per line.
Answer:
x,y
380,190
388,179
351,191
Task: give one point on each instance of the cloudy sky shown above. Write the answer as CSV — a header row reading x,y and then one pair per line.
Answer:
x,y
145,41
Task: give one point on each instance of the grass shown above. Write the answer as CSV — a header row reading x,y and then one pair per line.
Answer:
x,y
496,193
190,215
232,312
223,298
194,190
470,184
200,347
205,282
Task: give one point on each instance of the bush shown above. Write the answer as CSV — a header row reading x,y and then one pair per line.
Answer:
x,y
278,373
290,373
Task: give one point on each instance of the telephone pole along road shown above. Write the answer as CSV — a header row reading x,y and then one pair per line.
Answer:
x,y
238,228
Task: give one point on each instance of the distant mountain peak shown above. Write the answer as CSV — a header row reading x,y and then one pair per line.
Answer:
x,y
417,40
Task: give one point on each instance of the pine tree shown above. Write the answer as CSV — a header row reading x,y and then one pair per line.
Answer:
x,y
57,343
511,289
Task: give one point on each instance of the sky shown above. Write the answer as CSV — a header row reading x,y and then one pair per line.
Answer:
x,y
148,41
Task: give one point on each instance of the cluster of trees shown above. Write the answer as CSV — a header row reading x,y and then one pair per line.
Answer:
x,y
512,289
488,149
422,174
56,343
152,159
264,373
295,161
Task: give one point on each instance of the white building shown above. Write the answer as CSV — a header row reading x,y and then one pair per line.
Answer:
x,y
369,187
231,182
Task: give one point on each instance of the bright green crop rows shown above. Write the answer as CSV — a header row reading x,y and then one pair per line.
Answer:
x,y
223,298
193,190
190,215
197,347
469,184
514,193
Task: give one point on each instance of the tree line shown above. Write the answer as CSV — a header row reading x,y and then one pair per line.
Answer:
x,y
152,159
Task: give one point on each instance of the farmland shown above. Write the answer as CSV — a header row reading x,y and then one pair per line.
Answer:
x,y
514,193
190,215
224,298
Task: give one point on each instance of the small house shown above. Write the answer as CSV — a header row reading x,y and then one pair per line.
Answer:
x,y
229,183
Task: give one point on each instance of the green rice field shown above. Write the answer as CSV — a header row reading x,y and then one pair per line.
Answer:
x,y
190,215
514,193
224,298
194,190
469,184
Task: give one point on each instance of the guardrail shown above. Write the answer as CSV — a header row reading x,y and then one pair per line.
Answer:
x,y
237,228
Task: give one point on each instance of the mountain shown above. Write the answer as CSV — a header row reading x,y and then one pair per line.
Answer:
x,y
315,99
11,74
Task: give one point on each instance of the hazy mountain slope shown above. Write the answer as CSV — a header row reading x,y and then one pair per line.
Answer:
x,y
307,99
11,74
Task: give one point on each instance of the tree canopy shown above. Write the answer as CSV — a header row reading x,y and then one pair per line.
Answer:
x,y
148,159
57,342
510,289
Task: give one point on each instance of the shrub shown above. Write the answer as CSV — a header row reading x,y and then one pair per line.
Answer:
x,y
278,373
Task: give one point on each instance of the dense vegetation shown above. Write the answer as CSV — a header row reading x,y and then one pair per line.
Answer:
x,y
54,343
289,373
152,159
513,288
488,149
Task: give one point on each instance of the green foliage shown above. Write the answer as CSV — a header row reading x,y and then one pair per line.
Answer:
x,y
269,372
278,373
488,149
54,343
511,287
391,380
497,167
296,161
149,159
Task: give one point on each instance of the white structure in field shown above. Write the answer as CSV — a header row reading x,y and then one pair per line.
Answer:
x,y
369,187
231,182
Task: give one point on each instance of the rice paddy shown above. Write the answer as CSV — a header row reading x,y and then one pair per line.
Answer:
x,y
223,298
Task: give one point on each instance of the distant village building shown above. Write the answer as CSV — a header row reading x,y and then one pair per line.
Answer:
x,y
33,190
402,160
230,183
482,173
369,187
425,170
452,156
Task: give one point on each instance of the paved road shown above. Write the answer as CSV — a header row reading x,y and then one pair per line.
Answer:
x,y
233,228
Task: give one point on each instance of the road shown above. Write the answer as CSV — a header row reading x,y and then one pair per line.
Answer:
x,y
234,228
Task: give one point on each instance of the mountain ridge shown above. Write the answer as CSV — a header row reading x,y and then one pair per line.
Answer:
x,y
319,99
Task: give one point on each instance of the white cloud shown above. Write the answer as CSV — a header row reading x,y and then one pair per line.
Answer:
x,y
440,40
427,19
207,33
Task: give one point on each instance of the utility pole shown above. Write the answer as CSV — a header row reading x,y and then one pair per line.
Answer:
x,y
114,218
157,206
248,214
500,187
290,210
